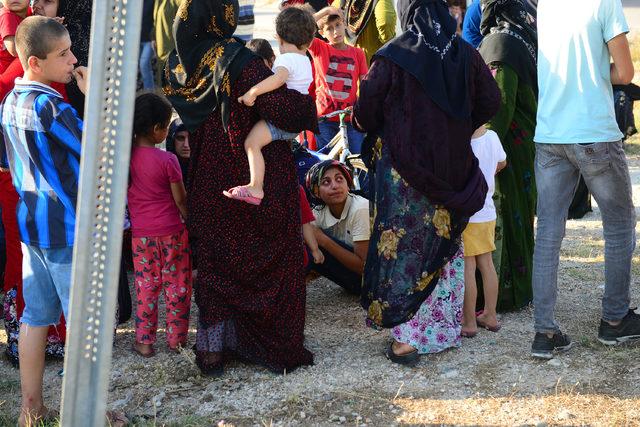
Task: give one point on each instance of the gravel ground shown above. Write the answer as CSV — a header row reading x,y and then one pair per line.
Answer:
x,y
490,380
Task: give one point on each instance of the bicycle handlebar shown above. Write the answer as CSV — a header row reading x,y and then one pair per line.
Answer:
x,y
347,111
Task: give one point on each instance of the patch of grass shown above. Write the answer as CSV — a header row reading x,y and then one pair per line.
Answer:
x,y
634,46
9,385
562,408
632,145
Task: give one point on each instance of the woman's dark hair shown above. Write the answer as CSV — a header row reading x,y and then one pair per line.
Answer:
x,y
262,48
151,109
296,25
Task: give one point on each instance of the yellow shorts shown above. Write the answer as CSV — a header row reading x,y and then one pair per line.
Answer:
x,y
479,238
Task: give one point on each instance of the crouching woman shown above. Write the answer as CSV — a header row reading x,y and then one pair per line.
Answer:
x,y
342,225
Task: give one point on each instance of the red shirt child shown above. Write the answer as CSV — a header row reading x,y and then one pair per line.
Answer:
x,y
338,66
11,15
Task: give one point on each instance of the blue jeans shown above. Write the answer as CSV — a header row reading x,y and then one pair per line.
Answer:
x,y
46,283
604,168
145,65
335,271
329,129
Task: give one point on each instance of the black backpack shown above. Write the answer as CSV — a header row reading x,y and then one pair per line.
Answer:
x,y
623,97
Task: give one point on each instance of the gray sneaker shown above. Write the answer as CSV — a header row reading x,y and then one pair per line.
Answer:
x,y
627,330
543,347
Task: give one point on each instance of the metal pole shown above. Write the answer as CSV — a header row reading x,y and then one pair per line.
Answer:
x,y
104,171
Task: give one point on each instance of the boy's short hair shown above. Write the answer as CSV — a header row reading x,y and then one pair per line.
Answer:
x,y
296,25
329,17
35,37
262,48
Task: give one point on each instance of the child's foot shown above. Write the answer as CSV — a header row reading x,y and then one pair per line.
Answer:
x,y
488,321
33,417
468,332
177,348
144,350
245,193
469,328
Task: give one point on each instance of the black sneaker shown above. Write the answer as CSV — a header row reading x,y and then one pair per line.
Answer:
x,y
628,329
543,347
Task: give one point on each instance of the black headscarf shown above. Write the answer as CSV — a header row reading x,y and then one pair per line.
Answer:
x,y
77,19
175,127
430,50
206,62
356,16
508,38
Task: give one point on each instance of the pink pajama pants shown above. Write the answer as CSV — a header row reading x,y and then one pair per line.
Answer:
x,y
162,263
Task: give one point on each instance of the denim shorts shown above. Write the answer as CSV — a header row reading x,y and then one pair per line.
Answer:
x,y
278,134
46,282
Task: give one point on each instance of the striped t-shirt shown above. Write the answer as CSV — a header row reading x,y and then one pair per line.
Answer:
x,y
40,143
246,20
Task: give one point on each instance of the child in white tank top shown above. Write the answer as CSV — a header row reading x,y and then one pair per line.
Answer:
x,y
295,28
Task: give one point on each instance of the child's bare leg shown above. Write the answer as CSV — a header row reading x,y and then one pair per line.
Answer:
x,y
258,137
469,326
31,345
490,288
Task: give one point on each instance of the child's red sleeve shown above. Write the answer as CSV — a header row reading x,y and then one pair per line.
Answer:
x,y
305,210
8,24
8,78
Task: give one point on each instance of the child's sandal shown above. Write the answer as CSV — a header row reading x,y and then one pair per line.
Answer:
x,y
242,194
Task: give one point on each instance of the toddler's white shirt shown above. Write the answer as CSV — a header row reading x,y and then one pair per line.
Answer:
x,y
299,68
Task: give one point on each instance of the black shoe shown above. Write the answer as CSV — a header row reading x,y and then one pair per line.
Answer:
x,y
409,359
628,329
543,347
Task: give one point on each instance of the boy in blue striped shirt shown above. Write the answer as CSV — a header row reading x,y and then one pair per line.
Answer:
x,y
41,146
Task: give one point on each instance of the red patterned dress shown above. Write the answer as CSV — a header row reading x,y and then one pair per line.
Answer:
x,y
250,289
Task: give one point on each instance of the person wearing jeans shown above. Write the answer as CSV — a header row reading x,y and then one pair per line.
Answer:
x,y
146,46
146,66
329,129
576,133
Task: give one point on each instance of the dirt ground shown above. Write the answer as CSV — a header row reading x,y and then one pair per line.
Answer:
x,y
490,380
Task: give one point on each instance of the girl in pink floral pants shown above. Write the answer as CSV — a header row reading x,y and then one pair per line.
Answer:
x,y
161,254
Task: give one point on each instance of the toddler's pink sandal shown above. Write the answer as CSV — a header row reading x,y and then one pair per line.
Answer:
x,y
241,193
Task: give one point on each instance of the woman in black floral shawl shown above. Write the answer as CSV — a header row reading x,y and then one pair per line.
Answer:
x,y
425,93
250,288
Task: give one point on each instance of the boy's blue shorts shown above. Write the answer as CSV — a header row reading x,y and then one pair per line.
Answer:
x,y
46,283
278,134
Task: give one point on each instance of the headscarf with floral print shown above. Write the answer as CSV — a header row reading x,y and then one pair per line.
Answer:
x,y
206,61
509,38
